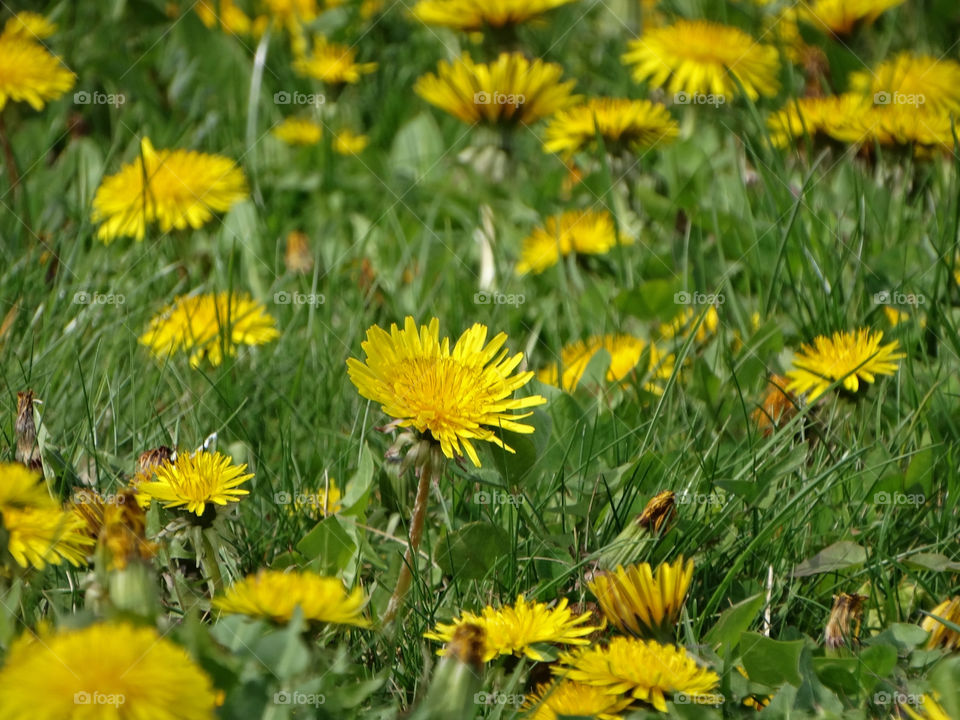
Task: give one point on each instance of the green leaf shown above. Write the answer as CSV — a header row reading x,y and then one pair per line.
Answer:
x,y
654,300
329,544
878,661
771,662
839,556
357,494
733,622
932,561
471,552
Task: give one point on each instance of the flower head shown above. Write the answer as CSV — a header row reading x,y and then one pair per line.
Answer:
x,y
841,16
30,25
641,601
848,356
778,408
195,480
625,354
117,523
472,15
130,672
659,511
275,594
584,232
349,142
565,698
940,634
332,63
323,502
622,123
511,89
206,325
706,321
29,73
38,536
835,116
646,670
457,395
176,189
298,131
700,57
226,15
914,80
21,487
843,626
517,629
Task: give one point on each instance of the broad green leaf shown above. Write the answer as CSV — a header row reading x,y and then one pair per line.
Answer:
x,y
771,662
733,622
470,552
839,556
329,544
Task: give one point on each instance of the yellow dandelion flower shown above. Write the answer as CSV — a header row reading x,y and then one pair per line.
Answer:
x,y
322,502
225,15
38,536
623,124
642,601
683,324
30,25
843,625
930,709
350,143
699,57
195,481
176,189
779,406
298,131
848,356
28,73
117,523
275,594
914,80
474,15
585,232
517,629
894,315
902,126
644,669
332,63
21,487
457,396
940,634
625,353
512,89
835,116
292,12
109,670
563,699
203,324
841,16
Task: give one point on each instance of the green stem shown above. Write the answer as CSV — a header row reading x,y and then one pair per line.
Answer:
x,y
211,562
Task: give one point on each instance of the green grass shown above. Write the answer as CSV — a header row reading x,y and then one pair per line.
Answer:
x,y
804,239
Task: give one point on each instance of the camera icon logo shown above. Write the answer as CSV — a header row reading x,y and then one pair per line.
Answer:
x,y
881,98
682,298
281,298
81,97
482,98
281,98
681,98
282,698
282,498
481,298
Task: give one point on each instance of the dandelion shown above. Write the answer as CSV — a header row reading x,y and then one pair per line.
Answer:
x,y
332,63
583,232
350,143
625,353
226,15
197,480
565,698
40,536
297,258
643,669
700,57
940,634
702,324
30,25
28,72
207,325
323,502
175,189
518,629
841,16
623,124
133,672
912,79
930,709
275,595
852,357
659,512
779,406
510,90
641,601
474,15
835,116
298,131
22,487
843,626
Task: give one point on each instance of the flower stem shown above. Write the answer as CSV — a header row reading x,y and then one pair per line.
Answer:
x,y
211,561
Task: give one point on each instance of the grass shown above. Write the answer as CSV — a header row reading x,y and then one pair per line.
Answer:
x,y
805,239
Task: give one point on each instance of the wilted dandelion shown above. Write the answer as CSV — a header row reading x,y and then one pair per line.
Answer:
x,y
208,325
625,354
848,356
298,131
940,634
779,406
133,672
565,698
332,63
29,73
275,594
517,629
642,669
196,481
642,601
842,16
843,626
297,257
475,15
623,124
175,189
584,232
659,512
699,57
510,90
